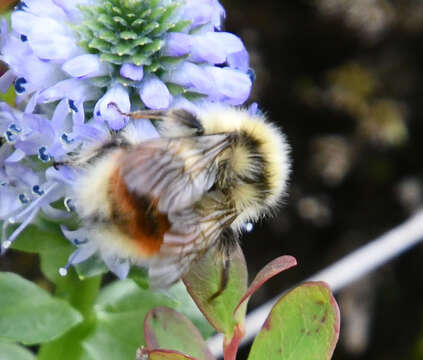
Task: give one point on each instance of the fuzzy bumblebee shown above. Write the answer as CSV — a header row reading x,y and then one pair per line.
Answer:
x,y
163,203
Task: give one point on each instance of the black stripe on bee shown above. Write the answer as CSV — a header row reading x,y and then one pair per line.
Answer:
x,y
189,120
259,178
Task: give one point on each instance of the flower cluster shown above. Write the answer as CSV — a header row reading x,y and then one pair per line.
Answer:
x,y
150,53
68,59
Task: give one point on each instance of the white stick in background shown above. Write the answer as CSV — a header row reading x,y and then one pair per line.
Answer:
x,y
344,271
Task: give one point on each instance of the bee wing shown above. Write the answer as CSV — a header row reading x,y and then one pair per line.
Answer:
x,y
190,237
174,171
177,172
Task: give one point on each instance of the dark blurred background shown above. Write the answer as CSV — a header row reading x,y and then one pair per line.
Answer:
x,y
344,79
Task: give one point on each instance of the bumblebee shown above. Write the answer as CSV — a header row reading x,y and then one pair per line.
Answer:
x,y
165,202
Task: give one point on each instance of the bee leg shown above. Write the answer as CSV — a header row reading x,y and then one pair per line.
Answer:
x,y
224,279
141,114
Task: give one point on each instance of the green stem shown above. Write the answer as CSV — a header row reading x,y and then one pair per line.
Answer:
x,y
81,294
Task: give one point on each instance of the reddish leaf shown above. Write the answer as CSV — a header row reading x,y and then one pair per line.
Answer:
x,y
230,347
273,268
144,354
165,328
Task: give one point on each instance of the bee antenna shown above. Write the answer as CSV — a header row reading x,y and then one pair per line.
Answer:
x,y
140,114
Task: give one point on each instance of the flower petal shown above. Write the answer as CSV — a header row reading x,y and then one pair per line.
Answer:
x,y
85,66
76,237
118,266
177,44
180,102
82,253
140,130
192,77
75,89
154,93
131,71
54,47
208,48
6,80
232,86
103,112
239,60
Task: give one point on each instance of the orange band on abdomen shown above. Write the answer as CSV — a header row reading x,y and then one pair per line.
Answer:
x,y
137,216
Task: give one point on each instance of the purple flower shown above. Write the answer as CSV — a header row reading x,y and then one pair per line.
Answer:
x,y
53,53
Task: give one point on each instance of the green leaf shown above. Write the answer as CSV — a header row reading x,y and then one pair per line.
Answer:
x,y
30,315
139,276
10,351
165,328
186,305
9,96
47,240
304,324
119,315
204,281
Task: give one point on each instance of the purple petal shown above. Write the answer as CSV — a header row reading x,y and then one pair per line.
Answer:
x,y
32,103
232,86
57,47
4,32
208,48
180,102
192,77
154,93
199,12
48,38
103,112
58,120
22,174
82,253
64,174
218,14
75,236
75,89
46,8
70,7
87,65
9,202
253,109
239,60
231,42
6,80
118,266
178,44
38,74
16,156
140,130
131,71
88,132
